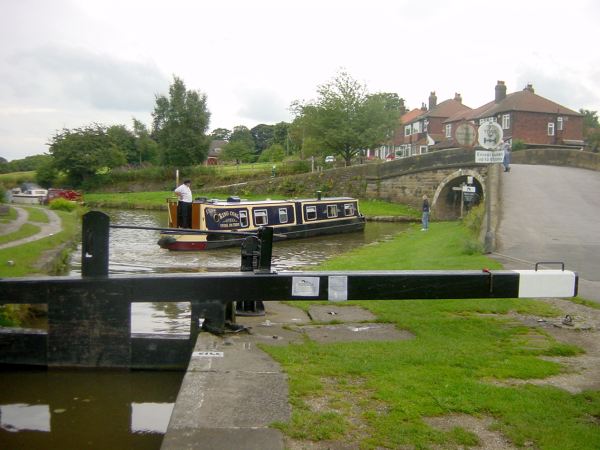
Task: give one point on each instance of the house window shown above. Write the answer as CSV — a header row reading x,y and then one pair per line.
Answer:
x,y
416,127
448,130
505,121
311,213
550,128
331,211
559,123
283,215
260,217
422,149
244,219
349,209
407,129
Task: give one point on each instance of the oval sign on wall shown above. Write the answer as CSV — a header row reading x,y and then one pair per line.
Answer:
x,y
490,135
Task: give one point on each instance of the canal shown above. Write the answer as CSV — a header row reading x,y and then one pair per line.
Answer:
x,y
73,409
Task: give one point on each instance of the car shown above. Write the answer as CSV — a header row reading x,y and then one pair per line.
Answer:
x,y
330,159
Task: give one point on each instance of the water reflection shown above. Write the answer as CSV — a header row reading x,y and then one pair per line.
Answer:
x,y
68,409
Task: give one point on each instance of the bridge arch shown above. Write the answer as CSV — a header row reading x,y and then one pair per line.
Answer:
x,y
447,197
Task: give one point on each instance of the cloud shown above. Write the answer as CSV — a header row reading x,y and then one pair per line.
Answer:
x,y
262,105
76,77
573,87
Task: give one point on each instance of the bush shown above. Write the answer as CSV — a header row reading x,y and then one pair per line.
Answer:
x,y
62,204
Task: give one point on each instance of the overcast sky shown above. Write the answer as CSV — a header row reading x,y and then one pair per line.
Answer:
x,y
65,64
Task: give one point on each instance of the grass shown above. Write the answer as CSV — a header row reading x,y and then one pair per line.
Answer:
x,y
26,256
37,215
12,215
376,394
12,179
26,230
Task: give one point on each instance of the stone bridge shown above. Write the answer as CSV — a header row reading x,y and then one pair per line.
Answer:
x,y
406,180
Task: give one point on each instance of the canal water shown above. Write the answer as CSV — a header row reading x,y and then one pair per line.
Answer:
x,y
69,409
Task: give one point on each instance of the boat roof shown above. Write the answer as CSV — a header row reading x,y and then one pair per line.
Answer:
x,y
229,202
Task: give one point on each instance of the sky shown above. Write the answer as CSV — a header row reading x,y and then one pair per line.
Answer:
x,y
71,63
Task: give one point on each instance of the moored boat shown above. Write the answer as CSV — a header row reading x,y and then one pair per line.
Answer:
x,y
290,219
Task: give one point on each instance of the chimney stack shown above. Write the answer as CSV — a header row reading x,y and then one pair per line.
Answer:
x,y
432,100
529,88
457,97
500,91
423,107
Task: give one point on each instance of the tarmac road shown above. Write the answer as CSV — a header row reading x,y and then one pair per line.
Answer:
x,y
552,213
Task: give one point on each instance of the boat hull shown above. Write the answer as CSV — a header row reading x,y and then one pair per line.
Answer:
x,y
178,241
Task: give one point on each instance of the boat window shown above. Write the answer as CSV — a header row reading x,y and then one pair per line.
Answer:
x,y
260,217
311,212
349,209
244,219
331,211
283,215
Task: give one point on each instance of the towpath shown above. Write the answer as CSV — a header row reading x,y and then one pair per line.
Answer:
x,y
53,226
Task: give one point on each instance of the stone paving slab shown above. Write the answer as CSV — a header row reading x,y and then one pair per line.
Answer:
x,y
352,332
328,313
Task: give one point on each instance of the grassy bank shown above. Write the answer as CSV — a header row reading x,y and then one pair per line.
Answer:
x,y
32,258
379,394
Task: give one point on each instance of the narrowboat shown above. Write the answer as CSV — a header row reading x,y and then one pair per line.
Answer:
x,y
290,219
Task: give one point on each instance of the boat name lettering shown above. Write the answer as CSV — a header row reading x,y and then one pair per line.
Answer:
x,y
226,216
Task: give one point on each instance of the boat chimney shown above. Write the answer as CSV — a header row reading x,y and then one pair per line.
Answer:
x,y
318,195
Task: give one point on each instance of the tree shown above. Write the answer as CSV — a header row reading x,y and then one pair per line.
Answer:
x,y
220,134
274,153
179,126
591,129
238,151
263,137
345,119
243,135
124,140
82,152
146,147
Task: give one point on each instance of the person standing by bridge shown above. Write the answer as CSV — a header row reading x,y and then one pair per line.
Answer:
x,y
425,217
506,158
184,206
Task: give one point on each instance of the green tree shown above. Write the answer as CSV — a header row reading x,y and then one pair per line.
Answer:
x,y
82,152
124,140
591,129
179,126
345,118
274,153
243,135
146,148
263,136
221,134
238,151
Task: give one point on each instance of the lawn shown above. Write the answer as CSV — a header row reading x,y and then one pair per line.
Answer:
x,y
377,394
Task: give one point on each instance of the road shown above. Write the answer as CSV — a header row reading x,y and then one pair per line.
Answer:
x,y
552,213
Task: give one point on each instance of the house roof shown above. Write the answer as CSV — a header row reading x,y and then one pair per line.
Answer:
x,y
410,116
526,101
446,108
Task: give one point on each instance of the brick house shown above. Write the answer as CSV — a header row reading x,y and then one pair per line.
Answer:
x,y
524,116
423,128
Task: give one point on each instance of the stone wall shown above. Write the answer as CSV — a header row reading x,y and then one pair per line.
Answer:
x,y
557,157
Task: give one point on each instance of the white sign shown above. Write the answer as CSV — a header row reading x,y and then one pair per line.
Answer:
x,y
468,188
305,286
490,135
489,157
338,288
208,354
